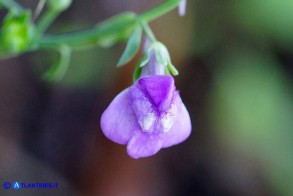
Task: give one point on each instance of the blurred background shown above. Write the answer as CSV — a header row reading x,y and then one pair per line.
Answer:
x,y
235,60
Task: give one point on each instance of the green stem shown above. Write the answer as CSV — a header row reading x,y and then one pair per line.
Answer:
x,y
114,29
46,20
11,5
107,33
149,33
159,10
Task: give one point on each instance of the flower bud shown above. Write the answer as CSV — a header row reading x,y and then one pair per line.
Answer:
x,y
161,53
156,60
17,32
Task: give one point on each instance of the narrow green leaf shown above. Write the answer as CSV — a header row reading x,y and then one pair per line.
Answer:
x,y
132,46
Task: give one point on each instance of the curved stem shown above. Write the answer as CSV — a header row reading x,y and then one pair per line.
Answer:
x,y
11,5
114,29
160,10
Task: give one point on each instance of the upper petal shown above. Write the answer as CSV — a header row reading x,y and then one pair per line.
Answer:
x,y
144,145
180,129
118,121
159,89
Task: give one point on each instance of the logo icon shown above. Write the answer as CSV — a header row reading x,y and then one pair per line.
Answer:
x,y
16,185
6,185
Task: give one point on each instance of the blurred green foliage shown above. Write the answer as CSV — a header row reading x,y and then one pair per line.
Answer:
x,y
252,108
272,18
250,103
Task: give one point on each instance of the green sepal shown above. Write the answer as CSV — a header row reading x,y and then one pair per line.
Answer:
x,y
161,53
172,69
163,58
132,46
136,73
58,70
145,58
167,71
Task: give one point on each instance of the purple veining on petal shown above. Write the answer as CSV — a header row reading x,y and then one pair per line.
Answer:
x,y
142,108
159,89
147,116
181,127
182,8
168,116
150,98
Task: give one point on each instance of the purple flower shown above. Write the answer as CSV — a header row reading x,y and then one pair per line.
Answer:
x,y
147,116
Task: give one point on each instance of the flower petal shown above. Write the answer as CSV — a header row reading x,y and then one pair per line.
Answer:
x,y
118,121
142,108
180,130
159,89
144,145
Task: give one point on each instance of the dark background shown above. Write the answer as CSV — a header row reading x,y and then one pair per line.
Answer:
x,y
235,61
